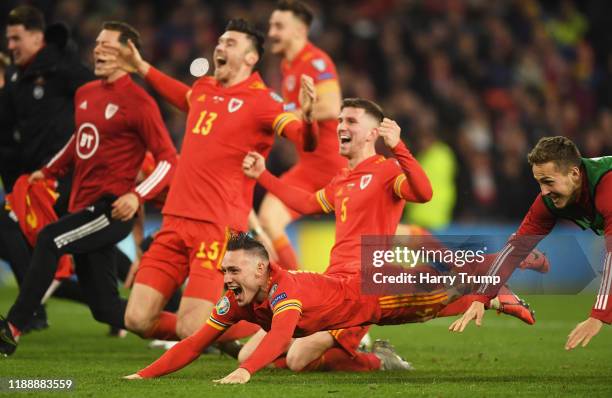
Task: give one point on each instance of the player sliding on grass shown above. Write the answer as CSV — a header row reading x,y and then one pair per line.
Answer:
x,y
291,304
574,188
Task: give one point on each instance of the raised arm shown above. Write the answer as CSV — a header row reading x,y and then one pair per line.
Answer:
x,y
413,185
129,59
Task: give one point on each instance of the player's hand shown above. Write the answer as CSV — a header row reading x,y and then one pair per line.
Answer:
x,y
133,376
476,311
126,57
238,376
307,96
583,332
253,165
36,176
390,131
125,207
129,278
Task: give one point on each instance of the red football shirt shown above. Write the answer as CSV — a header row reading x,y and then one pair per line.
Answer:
x,y
297,304
367,200
314,62
116,124
223,124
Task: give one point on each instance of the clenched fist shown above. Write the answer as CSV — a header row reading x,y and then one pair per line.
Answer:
x,y
253,165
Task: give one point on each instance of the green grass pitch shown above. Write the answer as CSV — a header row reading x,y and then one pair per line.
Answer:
x,y
503,358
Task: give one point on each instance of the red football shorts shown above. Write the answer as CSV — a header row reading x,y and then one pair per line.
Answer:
x,y
185,248
349,338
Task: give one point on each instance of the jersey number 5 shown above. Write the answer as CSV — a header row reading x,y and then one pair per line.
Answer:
x,y
343,209
204,124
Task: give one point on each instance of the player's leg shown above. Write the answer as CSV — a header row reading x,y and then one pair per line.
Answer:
x,y
161,271
307,349
274,217
81,232
97,276
206,246
13,246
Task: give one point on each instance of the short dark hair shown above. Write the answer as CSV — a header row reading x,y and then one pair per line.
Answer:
x,y
560,150
255,35
126,31
301,10
30,17
370,107
244,241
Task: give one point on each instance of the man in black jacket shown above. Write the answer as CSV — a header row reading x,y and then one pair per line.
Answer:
x,y
38,95
36,115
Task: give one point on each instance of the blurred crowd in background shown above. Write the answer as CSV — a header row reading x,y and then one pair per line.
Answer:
x,y
473,83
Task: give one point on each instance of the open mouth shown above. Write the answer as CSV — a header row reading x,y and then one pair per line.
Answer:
x,y
236,289
220,61
345,138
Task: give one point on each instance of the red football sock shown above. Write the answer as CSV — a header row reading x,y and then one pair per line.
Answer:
x,y
336,359
164,328
239,331
286,255
16,332
280,363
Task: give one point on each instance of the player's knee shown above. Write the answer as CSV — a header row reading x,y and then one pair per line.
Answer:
x,y
186,326
271,224
295,362
138,322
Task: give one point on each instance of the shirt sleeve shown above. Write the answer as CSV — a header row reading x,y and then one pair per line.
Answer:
x,y
174,91
302,201
62,162
271,113
275,343
412,184
602,309
322,70
150,126
538,222
183,353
